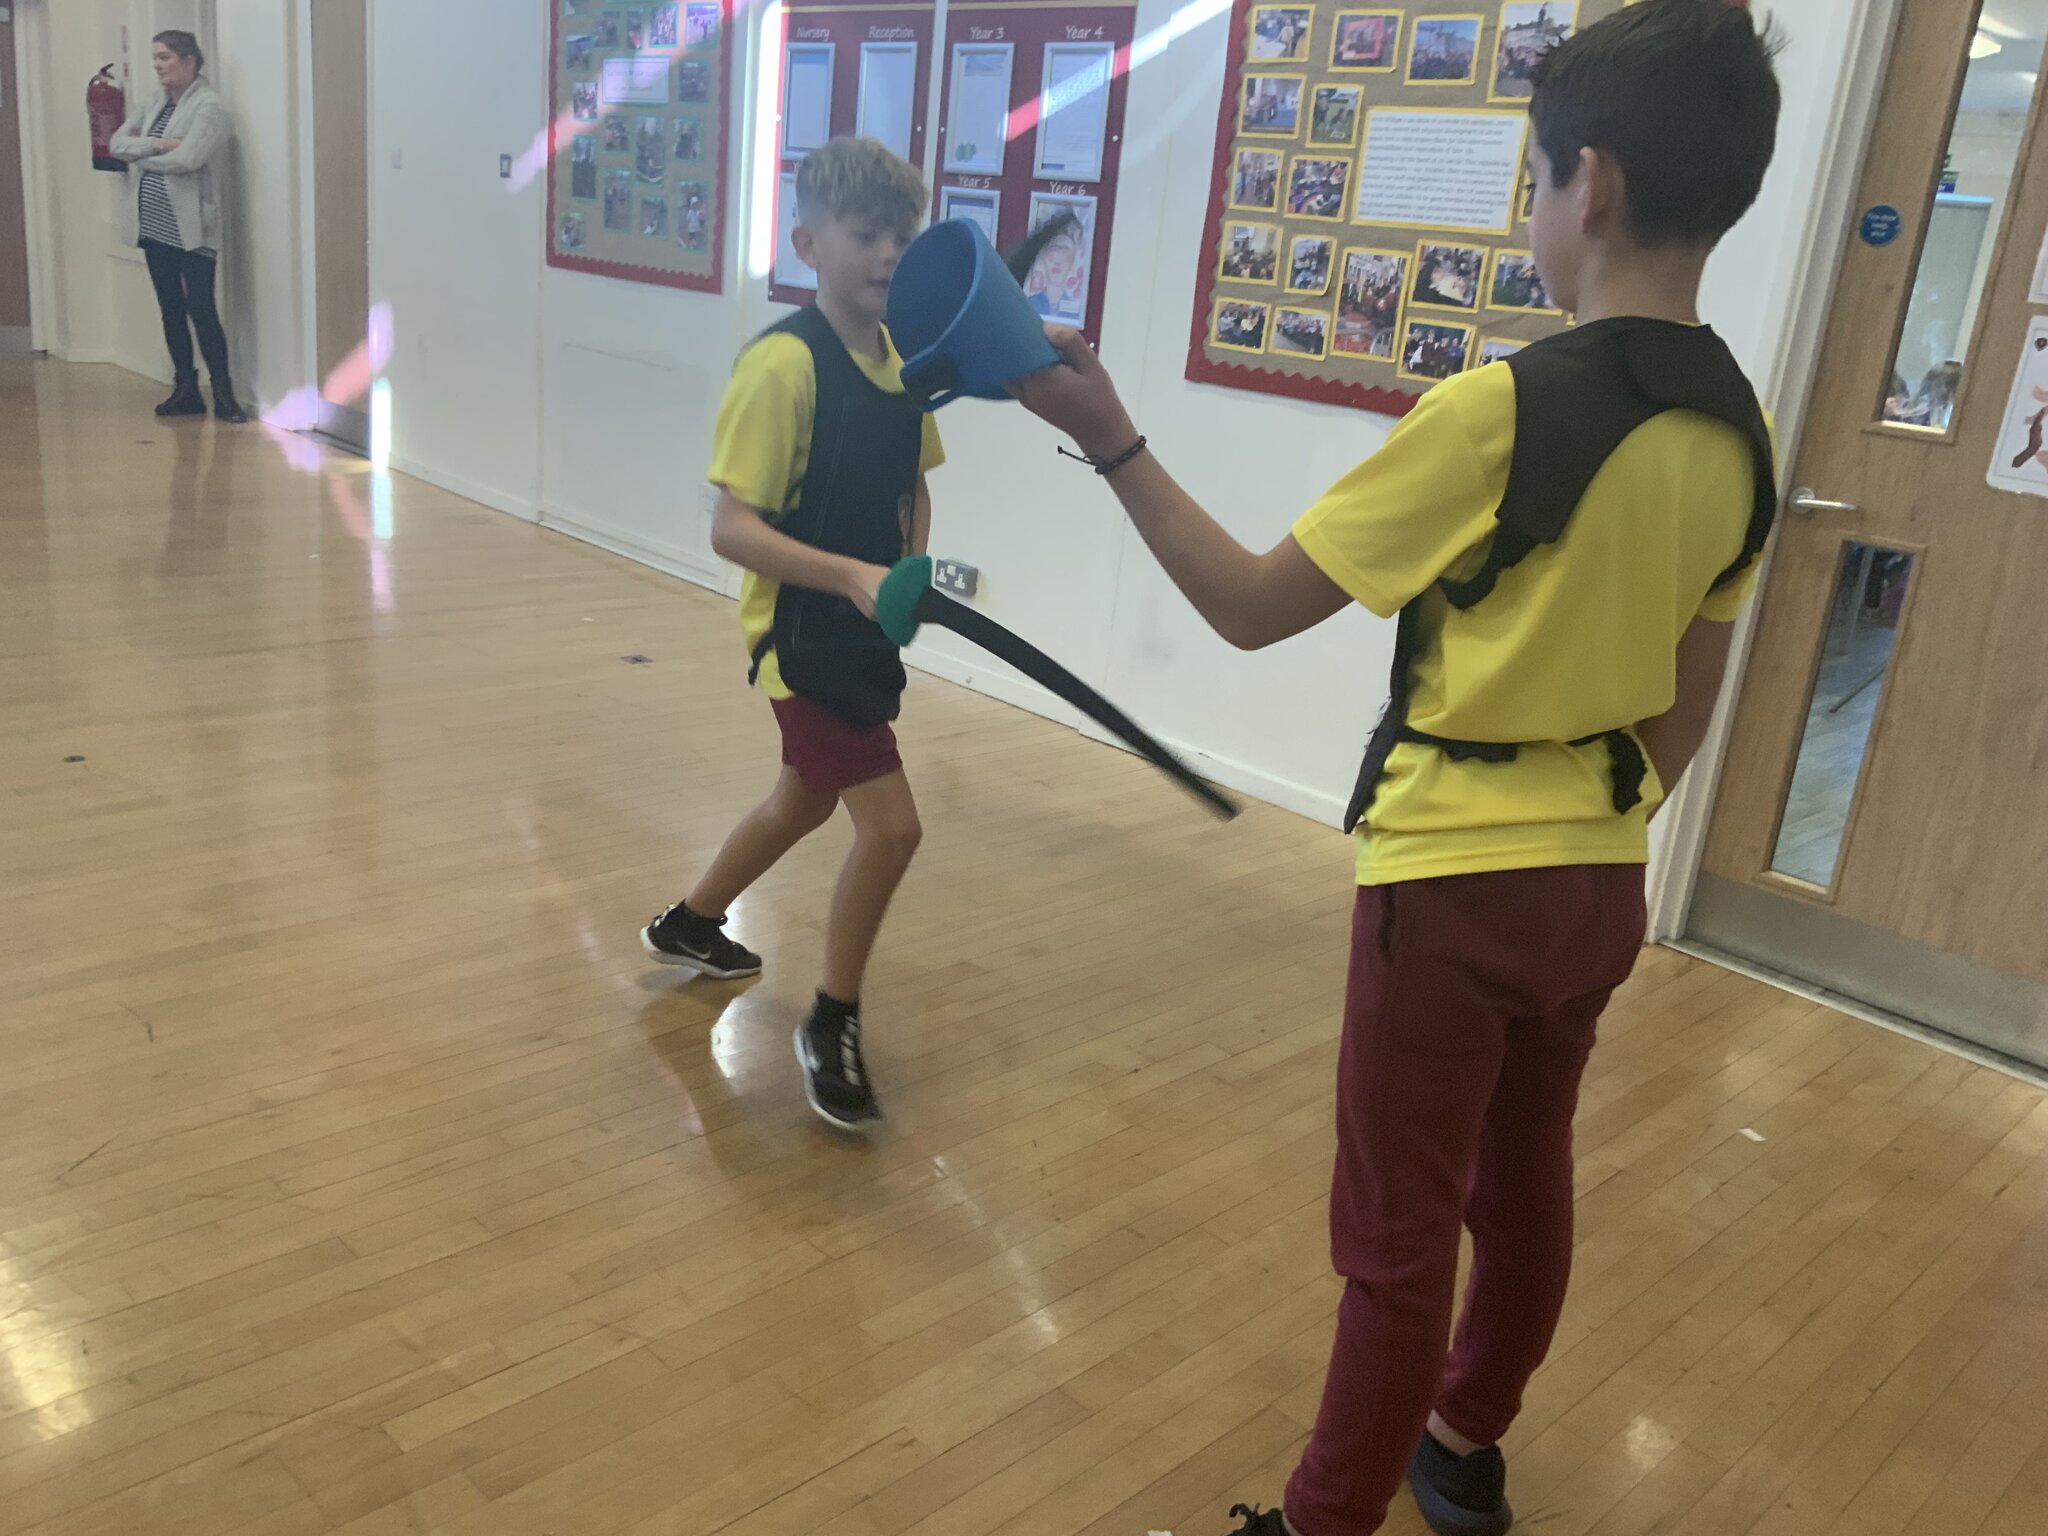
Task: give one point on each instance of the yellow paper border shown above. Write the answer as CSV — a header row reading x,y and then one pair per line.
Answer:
x,y
1337,26
1478,299
1500,32
1343,213
1493,273
1251,32
1244,99
1414,36
1329,277
1401,348
1407,260
1223,250
1329,320
1216,315
1279,179
1357,90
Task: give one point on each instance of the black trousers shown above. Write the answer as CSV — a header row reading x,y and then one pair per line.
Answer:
x,y
184,292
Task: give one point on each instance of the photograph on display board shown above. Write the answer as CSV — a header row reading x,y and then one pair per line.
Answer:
x,y
618,201
978,107
665,29
618,133
1251,253
982,208
1370,301
1255,186
1280,32
693,215
1448,276
654,218
1317,188
1444,50
579,51
1333,117
650,149
700,25
1517,285
1240,326
1368,42
583,102
636,30
689,145
693,80
575,232
583,168
610,32
1073,111
1301,332
1272,106
1493,349
1058,283
1433,350
1527,32
1309,264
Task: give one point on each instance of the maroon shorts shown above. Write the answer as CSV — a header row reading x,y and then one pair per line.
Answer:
x,y
829,755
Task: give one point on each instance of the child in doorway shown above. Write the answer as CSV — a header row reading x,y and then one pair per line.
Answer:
x,y
820,462
1566,537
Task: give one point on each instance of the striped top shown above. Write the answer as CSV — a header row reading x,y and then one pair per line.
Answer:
x,y
158,219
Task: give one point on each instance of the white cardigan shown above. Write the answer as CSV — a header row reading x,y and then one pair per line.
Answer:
x,y
201,121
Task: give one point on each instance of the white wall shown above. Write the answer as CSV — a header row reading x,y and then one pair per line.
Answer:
x,y
589,402
100,307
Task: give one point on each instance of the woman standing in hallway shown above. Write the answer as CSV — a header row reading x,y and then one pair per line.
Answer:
x,y
174,215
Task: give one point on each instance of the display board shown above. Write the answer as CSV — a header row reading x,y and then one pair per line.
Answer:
x,y
845,67
640,103
1368,215
1031,125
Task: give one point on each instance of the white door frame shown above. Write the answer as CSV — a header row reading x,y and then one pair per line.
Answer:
x,y
1786,388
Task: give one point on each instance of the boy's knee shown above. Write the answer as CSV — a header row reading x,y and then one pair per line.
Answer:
x,y
897,837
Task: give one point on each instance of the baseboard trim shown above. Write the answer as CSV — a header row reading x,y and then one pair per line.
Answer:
x,y
468,489
623,544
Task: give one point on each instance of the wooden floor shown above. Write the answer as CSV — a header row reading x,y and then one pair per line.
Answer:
x,y
358,1175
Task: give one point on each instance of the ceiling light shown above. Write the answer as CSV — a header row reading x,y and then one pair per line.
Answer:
x,y
1983,45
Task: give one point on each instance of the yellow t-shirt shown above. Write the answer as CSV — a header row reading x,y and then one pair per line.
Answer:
x,y
762,446
1580,636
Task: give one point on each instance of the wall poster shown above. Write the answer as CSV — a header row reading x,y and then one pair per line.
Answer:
x,y
638,112
1031,126
846,68
1367,231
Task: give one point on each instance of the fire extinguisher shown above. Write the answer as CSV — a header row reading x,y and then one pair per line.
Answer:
x,y
106,108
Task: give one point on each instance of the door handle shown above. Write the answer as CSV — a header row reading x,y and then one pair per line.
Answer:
x,y
1806,503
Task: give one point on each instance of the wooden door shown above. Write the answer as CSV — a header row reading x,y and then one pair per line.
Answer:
x,y
1889,758
14,317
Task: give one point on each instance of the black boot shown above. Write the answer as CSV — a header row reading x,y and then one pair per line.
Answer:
x,y
225,406
185,398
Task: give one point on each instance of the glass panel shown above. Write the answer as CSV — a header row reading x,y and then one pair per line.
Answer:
x,y
1976,178
1863,626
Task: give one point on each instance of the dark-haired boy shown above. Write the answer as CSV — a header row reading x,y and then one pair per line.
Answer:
x,y
1566,537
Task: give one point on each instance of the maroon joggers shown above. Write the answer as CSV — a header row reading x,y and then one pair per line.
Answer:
x,y
1471,1011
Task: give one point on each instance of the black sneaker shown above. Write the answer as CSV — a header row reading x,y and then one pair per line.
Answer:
x,y
680,937
1461,1495
835,1075
1258,1522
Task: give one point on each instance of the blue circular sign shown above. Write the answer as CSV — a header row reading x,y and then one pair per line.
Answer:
x,y
1881,225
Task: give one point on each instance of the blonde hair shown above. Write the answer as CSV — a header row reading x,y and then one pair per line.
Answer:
x,y
860,178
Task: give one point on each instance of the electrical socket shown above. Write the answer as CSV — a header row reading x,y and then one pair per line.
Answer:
x,y
955,576
504,167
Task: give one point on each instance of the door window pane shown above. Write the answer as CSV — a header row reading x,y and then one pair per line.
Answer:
x,y
1863,626
1976,180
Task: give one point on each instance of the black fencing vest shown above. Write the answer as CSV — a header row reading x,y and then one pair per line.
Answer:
x,y
858,494
1578,396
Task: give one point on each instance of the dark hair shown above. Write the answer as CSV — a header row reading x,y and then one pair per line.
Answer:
x,y
184,45
1682,94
